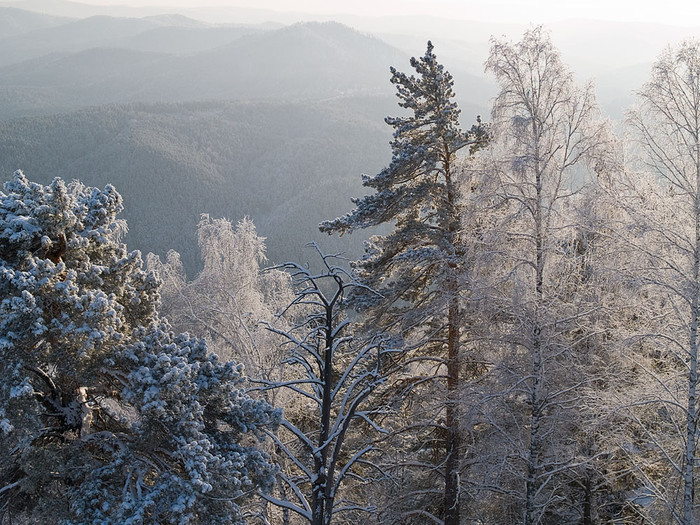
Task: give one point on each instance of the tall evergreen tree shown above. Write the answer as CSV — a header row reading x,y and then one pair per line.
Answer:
x,y
416,267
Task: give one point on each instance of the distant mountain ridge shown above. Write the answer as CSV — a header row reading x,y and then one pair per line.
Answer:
x,y
15,22
108,60
72,36
66,8
199,61
186,117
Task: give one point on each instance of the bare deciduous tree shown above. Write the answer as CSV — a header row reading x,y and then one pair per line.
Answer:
x,y
337,377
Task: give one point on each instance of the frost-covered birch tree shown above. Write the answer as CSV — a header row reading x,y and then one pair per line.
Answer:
x,y
106,416
547,133
338,379
229,298
666,127
416,267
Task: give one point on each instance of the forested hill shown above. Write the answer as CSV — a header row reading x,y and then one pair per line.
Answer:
x,y
155,106
287,166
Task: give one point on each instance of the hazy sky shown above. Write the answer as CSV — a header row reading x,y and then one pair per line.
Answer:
x,y
681,12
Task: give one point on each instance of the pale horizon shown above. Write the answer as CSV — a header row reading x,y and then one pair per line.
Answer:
x,y
674,12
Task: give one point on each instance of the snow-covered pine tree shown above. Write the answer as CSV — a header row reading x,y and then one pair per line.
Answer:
x,y
416,267
105,415
226,302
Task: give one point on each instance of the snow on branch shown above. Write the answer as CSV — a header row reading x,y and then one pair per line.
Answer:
x,y
337,372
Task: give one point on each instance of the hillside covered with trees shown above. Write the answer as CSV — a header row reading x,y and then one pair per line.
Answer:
x,y
173,162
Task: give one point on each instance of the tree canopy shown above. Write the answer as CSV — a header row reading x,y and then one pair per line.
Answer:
x,y
105,415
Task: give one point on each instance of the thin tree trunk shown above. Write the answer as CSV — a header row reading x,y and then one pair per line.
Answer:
x,y
452,410
533,462
589,503
321,487
286,520
452,419
532,484
691,420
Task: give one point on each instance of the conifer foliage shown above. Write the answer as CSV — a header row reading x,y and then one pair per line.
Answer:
x,y
105,415
417,189
416,267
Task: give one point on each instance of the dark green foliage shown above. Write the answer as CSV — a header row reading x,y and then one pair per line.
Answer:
x,y
418,268
417,192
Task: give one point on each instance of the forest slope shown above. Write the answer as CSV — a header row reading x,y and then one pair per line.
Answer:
x,y
187,118
287,166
